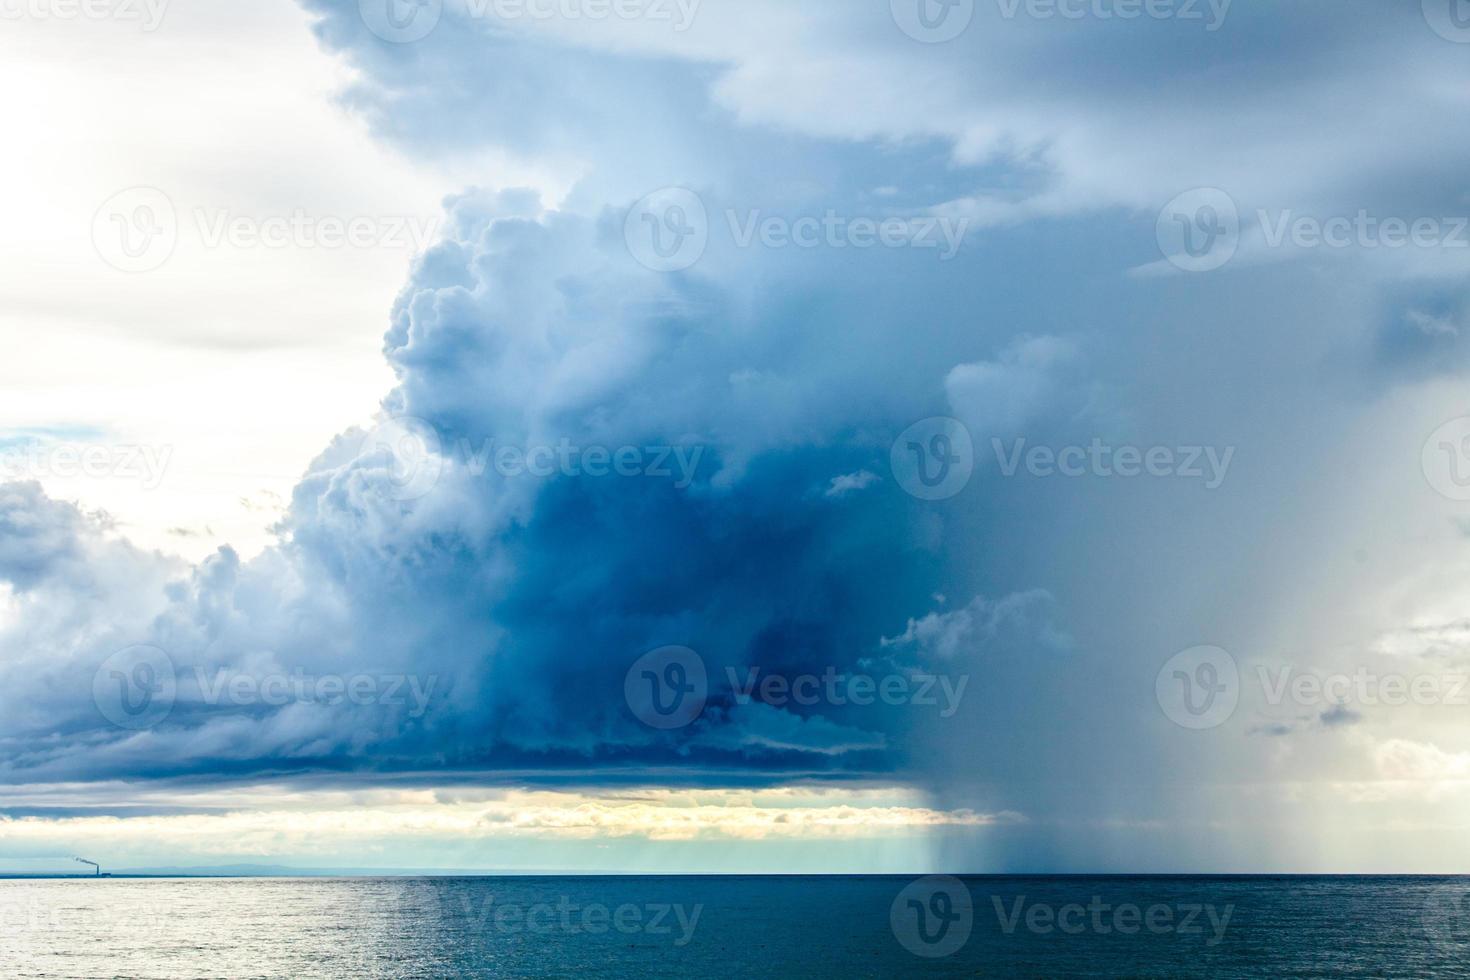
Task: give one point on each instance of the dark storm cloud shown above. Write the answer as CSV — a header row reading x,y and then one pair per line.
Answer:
x,y
791,371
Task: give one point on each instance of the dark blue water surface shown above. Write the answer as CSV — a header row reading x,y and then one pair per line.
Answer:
x,y
737,927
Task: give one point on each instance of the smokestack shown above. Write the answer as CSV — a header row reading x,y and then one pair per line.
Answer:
x,y
94,864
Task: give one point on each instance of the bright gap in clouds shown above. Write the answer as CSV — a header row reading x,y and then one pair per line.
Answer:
x,y
812,829
187,400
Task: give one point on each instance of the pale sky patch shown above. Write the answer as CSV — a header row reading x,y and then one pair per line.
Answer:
x,y
236,359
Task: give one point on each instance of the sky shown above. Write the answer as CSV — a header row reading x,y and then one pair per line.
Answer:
x,y
680,435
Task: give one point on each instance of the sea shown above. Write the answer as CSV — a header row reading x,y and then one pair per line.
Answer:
x,y
735,926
